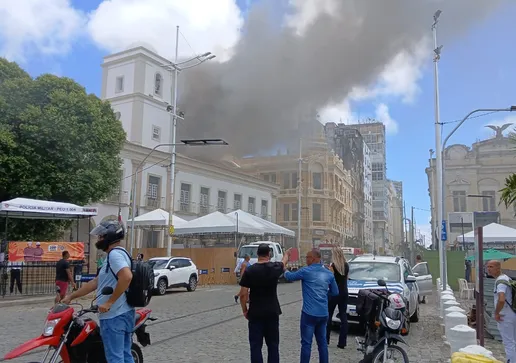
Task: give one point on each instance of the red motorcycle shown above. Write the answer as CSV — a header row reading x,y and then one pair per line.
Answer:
x,y
70,338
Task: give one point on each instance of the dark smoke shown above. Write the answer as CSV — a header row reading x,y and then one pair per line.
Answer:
x,y
277,79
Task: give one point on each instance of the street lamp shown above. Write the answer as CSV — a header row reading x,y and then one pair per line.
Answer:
x,y
133,188
177,67
441,168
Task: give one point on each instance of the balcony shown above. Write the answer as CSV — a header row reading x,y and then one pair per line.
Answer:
x,y
154,203
318,193
187,207
337,196
288,192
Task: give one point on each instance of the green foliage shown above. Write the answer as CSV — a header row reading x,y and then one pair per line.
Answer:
x,y
56,143
508,193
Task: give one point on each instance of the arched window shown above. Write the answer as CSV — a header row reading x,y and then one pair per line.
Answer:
x,y
158,84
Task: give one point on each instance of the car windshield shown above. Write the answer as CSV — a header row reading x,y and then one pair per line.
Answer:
x,y
158,264
372,271
248,250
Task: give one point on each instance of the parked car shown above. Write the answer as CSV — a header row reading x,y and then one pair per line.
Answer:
x,y
172,272
424,279
364,272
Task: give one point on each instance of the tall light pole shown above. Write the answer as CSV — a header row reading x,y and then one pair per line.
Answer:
x,y
177,67
438,127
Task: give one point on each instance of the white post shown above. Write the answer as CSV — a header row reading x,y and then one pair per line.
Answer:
x,y
438,158
173,133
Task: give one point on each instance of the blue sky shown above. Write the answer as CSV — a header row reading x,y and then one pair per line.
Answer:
x,y
476,70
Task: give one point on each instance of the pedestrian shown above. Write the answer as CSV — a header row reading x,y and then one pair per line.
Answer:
x,y
241,270
467,268
139,257
317,281
15,269
340,269
63,276
261,280
419,259
504,314
116,315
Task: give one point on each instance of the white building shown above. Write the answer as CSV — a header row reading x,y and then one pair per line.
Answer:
x,y
368,199
139,90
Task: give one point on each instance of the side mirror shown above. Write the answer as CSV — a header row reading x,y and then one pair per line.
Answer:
x,y
108,290
171,267
410,278
381,282
416,274
234,254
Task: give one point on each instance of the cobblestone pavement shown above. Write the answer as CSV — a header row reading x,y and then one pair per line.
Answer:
x,y
206,326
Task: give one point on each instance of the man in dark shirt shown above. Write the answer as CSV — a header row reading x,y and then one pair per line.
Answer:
x,y
264,309
63,276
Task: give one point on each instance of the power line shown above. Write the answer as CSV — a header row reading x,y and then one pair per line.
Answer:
x,y
477,116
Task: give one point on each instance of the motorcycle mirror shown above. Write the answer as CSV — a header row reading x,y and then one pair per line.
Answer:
x,y
381,282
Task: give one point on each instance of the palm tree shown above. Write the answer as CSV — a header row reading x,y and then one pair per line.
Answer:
x,y
508,196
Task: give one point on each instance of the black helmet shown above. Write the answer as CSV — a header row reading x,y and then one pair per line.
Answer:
x,y
108,232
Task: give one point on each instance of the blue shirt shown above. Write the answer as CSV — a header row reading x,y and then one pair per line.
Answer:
x,y
118,259
316,281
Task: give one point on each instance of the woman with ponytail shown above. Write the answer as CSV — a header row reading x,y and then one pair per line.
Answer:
x,y
340,269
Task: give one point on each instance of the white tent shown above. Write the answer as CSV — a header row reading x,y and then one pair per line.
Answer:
x,y
155,218
493,232
255,221
216,222
43,209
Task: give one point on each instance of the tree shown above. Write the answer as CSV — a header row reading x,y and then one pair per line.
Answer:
x,y
508,196
56,143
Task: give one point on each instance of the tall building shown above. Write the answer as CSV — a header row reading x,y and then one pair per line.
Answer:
x,y
395,220
349,146
368,200
473,176
325,187
373,134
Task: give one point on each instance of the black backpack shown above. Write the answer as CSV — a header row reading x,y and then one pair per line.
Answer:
x,y
140,289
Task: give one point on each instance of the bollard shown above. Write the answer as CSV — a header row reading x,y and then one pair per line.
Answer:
x,y
449,303
441,303
453,319
461,336
454,309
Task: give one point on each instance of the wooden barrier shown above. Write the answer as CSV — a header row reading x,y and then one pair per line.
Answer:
x,y
219,262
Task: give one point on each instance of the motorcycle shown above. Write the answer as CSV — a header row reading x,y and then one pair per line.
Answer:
x,y
70,338
386,323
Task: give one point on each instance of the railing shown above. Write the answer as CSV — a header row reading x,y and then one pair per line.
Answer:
x,y
153,203
33,278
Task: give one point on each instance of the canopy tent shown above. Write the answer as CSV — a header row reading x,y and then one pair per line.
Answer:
x,y
216,222
257,222
493,254
42,209
156,218
493,232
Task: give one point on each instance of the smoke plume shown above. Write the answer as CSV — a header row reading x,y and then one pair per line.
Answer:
x,y
278,77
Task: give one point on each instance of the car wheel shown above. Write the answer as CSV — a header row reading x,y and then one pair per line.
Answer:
x,y
415,317
192,283
162,287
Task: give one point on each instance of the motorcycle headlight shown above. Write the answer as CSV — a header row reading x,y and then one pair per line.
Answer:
x,y
48,330
393,324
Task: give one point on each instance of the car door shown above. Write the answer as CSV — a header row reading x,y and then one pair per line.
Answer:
x,y
174,274
186,270
412,286
424,278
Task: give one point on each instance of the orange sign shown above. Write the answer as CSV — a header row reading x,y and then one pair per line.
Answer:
x,y
44,251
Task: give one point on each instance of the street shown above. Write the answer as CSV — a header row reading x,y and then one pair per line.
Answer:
x,y
206,326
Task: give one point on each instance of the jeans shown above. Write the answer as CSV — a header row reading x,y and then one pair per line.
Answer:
x,y
267,329
311,325
342,303
117,336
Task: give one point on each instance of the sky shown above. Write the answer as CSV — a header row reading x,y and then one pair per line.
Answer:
x,y
476,70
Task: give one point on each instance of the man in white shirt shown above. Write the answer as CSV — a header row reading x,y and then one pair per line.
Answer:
x,y
504,315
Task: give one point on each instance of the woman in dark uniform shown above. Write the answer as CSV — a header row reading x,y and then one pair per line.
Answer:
x,y
340,269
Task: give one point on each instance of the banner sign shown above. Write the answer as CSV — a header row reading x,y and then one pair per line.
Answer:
x,y
44,251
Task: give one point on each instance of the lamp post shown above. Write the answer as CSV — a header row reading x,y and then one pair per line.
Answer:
x,y
441,168
176,67
200,142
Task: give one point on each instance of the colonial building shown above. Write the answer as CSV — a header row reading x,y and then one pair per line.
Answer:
x,y
139,90
324,185
395,224
473,176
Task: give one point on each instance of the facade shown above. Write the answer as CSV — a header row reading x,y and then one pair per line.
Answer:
x,y
349,146
373,134
138,88
479,170
368,200
395,220
325,187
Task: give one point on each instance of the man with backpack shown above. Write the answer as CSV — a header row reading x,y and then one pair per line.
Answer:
x,y
505,305
130,282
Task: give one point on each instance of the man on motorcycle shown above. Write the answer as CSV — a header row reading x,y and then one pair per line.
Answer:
x,y
116,315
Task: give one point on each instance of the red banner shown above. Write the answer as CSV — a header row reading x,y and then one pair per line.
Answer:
x,y
44,251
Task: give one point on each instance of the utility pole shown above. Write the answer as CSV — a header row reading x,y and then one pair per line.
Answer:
x,y
412,235
300,164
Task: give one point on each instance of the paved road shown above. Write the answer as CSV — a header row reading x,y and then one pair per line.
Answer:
x,y
206,326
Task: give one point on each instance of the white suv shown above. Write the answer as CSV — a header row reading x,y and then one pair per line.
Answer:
x,y
364,272
174,272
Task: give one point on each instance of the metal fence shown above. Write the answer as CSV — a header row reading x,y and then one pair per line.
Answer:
x,y
32,278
